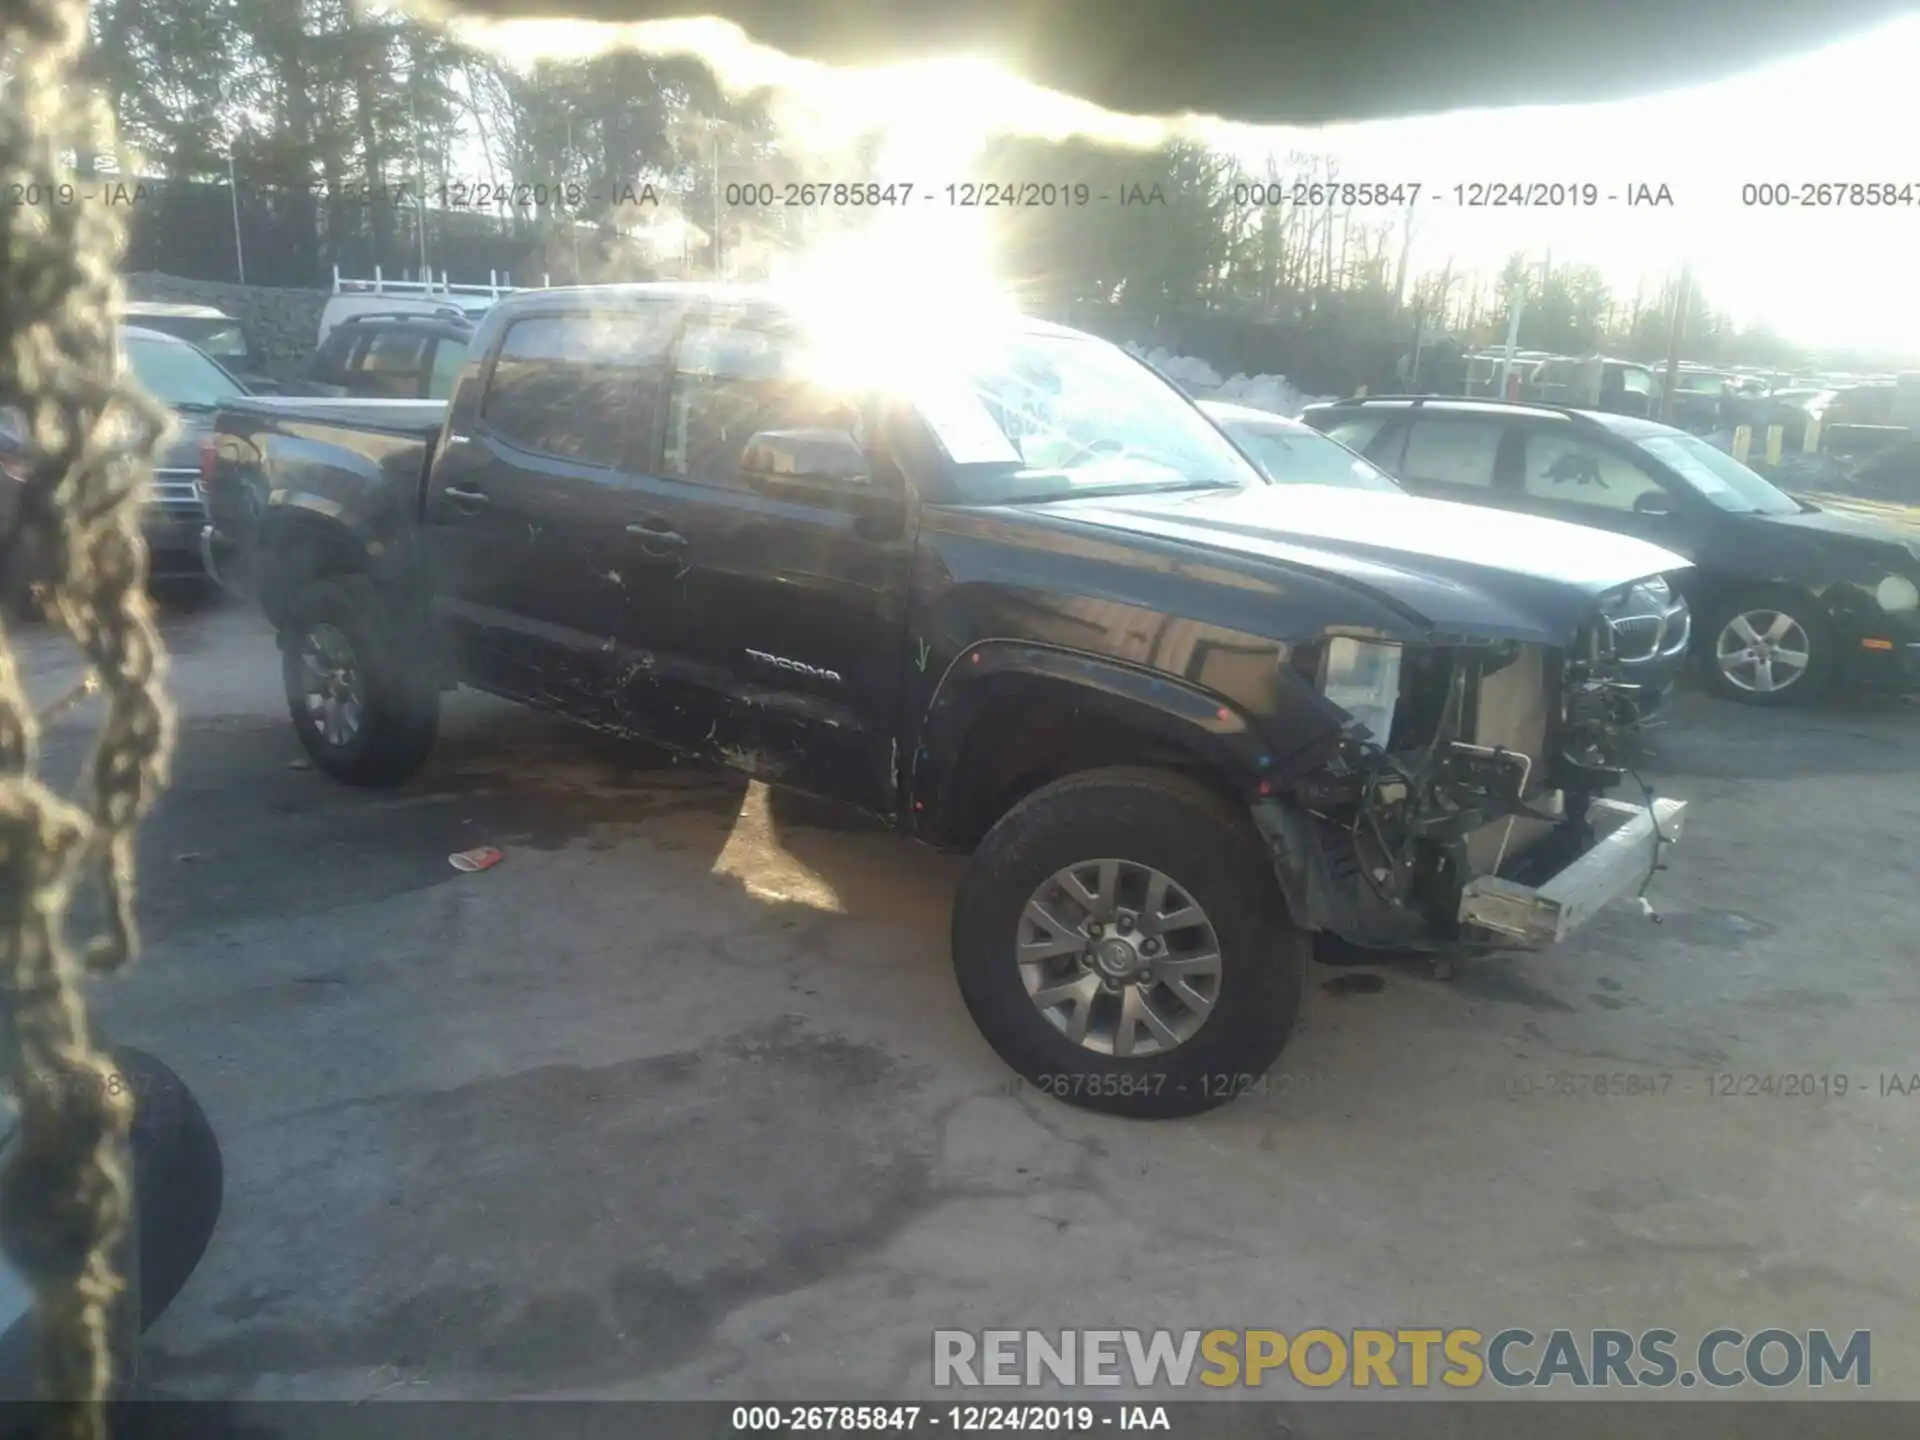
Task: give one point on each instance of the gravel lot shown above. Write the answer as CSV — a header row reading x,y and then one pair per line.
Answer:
x,y
680,1100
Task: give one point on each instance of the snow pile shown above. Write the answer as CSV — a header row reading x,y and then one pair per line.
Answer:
x,y
1199,379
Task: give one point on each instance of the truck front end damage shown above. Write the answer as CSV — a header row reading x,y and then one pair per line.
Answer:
x,y
1463,805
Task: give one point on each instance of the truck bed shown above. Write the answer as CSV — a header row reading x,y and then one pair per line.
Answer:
x,y
356,466
415,419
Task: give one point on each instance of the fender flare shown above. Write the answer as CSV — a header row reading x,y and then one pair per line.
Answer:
x,y
1249,754
299,523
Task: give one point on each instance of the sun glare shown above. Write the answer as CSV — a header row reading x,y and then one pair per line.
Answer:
x,y
1823,115
875,291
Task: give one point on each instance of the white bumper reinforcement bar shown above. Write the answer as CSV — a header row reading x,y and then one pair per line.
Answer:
x,y
1533,917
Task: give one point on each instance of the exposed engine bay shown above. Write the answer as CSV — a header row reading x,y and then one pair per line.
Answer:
x,y
1494,766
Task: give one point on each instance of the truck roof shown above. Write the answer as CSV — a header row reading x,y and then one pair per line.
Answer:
x,y
711,292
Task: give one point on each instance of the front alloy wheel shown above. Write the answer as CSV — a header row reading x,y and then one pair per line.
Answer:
x,y
1767,649
1763,651
1119,958
1122,943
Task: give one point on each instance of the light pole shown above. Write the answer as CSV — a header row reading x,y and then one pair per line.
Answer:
x,y
1517,309
573,216
1682,296
420,197
233,195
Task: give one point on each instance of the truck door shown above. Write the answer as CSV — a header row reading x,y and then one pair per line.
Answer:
x,y
791,589
528,501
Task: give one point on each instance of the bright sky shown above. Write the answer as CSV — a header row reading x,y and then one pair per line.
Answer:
x,y
1849,112
1841,277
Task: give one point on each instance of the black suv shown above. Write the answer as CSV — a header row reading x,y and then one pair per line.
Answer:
x,y
1787,596
393,355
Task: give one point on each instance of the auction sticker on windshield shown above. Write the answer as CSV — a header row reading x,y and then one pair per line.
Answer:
x,y
964,428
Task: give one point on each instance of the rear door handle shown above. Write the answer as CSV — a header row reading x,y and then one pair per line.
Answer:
x,y
466,497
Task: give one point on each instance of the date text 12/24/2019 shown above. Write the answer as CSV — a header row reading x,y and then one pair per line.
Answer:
x,y
1467,195
960,1419
961,195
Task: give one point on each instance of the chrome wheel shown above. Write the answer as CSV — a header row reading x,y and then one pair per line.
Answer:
x,y
330,685
1763,651
1119,958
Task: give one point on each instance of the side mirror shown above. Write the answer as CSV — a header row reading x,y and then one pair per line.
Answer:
x,y
807,457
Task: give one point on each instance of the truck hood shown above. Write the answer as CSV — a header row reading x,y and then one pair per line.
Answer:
x,y
1457,571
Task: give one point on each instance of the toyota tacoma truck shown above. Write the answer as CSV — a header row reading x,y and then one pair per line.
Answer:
x,y
1012,592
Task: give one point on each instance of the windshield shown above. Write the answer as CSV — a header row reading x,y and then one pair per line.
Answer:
x,y
1718,477
179,375
1045,417
219,336
1296,455
1697,383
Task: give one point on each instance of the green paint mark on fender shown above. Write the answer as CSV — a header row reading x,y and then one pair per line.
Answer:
x,y
924,654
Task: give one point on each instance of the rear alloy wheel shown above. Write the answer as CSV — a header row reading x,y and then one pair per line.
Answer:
x,y
1767,650
364,707
330,685
1122,943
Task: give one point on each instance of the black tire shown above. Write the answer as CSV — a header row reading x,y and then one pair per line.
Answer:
x,y
179,1178
400,698
1176,826
1803,611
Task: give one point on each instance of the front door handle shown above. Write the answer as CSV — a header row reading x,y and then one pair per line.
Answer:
x,y
658,538
466,497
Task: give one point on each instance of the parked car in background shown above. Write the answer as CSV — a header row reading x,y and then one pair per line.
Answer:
x,y
419,297
392,355
1484,369
214,332
1622,387
1867,403
1652,627
1290,452
1787,597
194,386
1016,597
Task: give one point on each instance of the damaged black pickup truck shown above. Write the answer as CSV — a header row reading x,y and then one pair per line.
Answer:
x,y
1020,598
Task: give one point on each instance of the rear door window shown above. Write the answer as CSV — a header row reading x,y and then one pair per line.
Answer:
x,y
1358,432
568,386
1452,453
1566,469
332,362
394,361
449,359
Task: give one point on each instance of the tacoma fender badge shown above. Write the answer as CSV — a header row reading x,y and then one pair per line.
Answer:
x,y
798,667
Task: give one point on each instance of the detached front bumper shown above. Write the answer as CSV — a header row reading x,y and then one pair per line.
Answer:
x,y
1534,917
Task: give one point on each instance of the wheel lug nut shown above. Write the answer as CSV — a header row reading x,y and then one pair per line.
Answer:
x,y
1095,929
1151,947
1123,925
